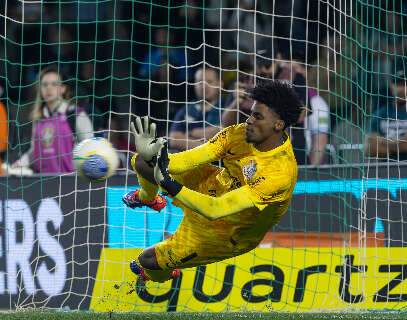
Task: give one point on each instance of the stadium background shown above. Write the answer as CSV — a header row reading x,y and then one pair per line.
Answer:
x,y
65,244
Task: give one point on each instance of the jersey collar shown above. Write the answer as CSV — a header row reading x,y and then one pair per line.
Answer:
x,y
271,152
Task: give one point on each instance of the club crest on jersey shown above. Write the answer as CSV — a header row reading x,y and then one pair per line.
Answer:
x,y
249,170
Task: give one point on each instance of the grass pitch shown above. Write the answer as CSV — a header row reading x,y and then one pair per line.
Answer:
x,y
40,315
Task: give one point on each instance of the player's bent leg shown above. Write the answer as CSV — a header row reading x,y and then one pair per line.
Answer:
x,y
148,259
147,195
133,200
147,268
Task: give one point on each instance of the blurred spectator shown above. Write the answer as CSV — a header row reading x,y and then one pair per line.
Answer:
x,y
387,138
383,38
294,27
3,132
333,73
163,76
316,127
56,125
239,105
201,120
310,135
348,138
161,58
295,73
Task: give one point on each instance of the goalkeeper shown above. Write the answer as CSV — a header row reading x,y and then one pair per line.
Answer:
x,y
228,210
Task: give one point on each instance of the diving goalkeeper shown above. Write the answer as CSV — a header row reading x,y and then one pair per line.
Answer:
x,y
227,210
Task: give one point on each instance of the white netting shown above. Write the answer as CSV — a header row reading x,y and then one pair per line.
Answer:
x,y
186,64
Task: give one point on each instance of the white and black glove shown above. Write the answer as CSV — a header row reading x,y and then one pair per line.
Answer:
x,y
161,174
147,145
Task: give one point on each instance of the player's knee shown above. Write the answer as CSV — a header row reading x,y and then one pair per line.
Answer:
x,y
148,259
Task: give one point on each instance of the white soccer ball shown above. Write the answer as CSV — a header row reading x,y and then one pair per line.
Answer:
x,y
95,159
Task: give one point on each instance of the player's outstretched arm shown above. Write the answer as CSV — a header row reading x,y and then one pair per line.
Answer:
x,y
208,152
187,160
215,208
210,207
147,147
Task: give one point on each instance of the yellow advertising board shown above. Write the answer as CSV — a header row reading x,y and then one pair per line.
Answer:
x,y
265,279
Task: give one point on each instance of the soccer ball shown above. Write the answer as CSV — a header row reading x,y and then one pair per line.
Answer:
x,y
95,159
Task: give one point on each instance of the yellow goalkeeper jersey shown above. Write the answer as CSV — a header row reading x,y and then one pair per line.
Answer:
x,y
244,198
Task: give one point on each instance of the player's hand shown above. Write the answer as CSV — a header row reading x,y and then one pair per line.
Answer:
x,y
161,173
239,93
242,99
147,145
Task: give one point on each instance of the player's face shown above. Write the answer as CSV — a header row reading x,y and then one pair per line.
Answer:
x,y
51,87
262,124
206,84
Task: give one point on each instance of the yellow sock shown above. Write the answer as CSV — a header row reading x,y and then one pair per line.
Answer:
x,y
148,190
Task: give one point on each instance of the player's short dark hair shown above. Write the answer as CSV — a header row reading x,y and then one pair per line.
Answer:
x,y
279,96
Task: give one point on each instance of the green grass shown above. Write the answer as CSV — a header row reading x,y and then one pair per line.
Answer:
x,y
34,315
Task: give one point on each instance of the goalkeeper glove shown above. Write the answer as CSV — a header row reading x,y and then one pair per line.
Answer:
x,y
147,145
161,174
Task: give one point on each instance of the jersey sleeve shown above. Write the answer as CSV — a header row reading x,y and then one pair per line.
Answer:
x,y
214,149
319,119
84,128
259,196
214,208
271,189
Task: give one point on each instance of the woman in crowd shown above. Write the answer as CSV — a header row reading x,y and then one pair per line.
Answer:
x,y
57,125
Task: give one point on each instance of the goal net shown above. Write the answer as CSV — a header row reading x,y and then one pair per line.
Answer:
x,y
66,244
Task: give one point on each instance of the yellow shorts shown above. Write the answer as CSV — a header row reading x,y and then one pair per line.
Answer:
x,y
193,245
